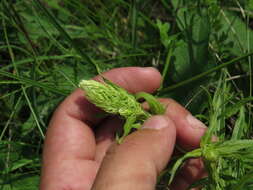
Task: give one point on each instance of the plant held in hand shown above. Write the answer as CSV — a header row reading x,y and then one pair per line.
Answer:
x,y
116,100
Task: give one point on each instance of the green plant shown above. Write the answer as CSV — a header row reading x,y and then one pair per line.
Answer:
x,y
227,158
47,47
115,100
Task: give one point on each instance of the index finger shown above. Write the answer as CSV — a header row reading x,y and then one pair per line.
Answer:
x,y
189,129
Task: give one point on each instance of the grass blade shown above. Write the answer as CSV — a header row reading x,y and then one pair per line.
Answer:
x,y
241,127
34,83
205,74
33,113
134,16
65,34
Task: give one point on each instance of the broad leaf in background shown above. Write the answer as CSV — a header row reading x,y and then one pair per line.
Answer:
x,y
191,55
238,33
196,31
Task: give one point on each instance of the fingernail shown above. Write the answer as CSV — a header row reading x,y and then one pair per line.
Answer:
x,y
150,69
156,122
195,123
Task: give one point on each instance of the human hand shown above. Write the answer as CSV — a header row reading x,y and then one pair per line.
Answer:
x,y
79,143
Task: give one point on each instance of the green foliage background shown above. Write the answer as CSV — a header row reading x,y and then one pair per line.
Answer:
x,y
46,47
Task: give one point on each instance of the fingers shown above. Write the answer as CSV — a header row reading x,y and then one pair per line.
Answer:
x,y
189,138
189,129
105,136
192,171
189,133
70,140
133,79
136,163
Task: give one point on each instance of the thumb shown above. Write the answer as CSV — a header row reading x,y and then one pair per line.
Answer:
x,y
136,163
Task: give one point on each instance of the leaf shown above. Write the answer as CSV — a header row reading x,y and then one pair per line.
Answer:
x,y
232,110
33,83
217,109
68,75
35,30
128,126
237,32
242,183
20,182
28,126
64,33
196,29
44,108
251,4
164,30
241,127
180,62
156,108
200,183
193,154
176,3
233,148
18,164
190,56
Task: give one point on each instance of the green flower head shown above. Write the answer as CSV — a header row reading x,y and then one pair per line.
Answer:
x,y
112,98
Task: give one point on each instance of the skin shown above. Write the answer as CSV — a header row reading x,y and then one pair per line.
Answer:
x,y
80,152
